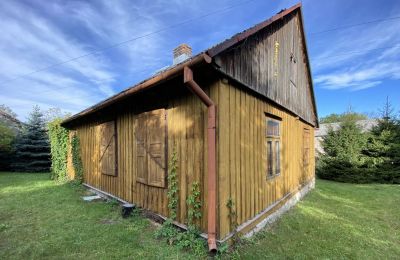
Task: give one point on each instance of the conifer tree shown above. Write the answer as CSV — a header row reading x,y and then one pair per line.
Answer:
x,y
32,145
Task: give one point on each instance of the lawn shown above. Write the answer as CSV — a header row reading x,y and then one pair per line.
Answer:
x,y
40,219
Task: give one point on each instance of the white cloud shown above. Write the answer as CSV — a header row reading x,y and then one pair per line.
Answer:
x,y
359,77
35,38
359,58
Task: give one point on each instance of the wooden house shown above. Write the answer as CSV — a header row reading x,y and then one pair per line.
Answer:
x,y
240,116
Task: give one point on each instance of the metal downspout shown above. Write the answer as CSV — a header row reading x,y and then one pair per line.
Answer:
x,y
212,175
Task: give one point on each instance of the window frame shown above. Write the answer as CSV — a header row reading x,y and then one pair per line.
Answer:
x,y
273,139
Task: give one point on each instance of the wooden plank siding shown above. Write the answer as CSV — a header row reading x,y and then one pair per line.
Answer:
x,y
265,74
267,60
242,168
241,155
187,128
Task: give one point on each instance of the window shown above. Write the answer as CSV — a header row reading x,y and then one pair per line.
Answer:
x,y
277,158
269,160
273,143
151,146
306,148
108,148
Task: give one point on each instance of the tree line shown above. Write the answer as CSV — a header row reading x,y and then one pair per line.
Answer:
x,y
353,155
25,147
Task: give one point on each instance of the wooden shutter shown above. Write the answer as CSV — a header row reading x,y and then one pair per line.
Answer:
x,y
108,156
151,148
156,145
141,155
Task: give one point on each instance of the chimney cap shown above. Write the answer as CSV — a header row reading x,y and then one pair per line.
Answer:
x,y
181,53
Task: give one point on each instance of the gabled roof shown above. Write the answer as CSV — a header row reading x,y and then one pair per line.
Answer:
x,y
220,47
203,57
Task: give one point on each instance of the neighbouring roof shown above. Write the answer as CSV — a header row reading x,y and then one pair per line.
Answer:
x,y
365,125
204,56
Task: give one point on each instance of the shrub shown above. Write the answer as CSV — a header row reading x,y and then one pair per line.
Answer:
x,y
353,156
7,138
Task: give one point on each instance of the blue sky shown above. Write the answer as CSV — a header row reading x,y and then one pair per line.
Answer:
x,y
357,66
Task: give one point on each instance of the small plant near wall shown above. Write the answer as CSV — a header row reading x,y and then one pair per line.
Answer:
x,y
168,230
76,158
190,239
233,223
194,204
173,190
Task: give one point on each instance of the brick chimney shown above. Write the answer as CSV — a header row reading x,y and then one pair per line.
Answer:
x,y
181,53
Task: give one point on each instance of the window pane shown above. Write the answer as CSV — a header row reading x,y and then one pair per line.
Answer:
x,y
272,127
269,158
278,158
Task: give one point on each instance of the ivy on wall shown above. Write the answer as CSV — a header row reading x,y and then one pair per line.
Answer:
x,y
194,204
173,186
59,149
76,158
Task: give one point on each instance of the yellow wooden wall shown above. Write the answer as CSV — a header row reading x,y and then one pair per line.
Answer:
x,y
242,155
240,148
186,119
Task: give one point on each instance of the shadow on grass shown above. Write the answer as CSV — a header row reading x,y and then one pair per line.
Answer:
x,y
42,219
334,221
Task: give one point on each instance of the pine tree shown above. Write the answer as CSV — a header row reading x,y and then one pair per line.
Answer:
x,y
346,143
343,153
32,145
383,149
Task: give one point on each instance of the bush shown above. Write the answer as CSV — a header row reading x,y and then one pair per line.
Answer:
x,y
341,170
356,157
7,138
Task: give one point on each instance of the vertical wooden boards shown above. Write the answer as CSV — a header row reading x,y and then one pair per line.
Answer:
x,y
236,147
150,136
108,148
242,155
224,188
263,62
187,132
232,151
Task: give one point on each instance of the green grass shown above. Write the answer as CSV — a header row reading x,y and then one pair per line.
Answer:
x,y
40,219
336,220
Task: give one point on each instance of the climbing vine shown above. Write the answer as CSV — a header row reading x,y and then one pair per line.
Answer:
x,y
194,204
58,136
76,158
190,239
173,185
